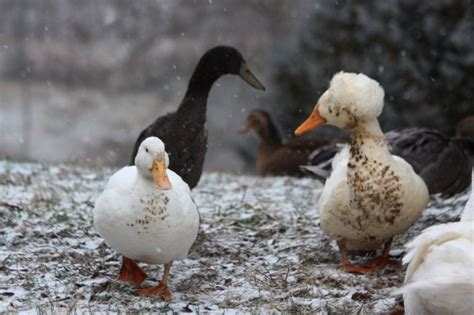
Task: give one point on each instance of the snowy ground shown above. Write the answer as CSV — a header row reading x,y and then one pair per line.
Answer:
x,y
259,249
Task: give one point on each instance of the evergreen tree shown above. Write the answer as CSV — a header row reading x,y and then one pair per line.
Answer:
x,y
421,52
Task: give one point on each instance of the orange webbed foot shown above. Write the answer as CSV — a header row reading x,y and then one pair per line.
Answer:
x,y
377,263
159,290
357,269
131,272
383,260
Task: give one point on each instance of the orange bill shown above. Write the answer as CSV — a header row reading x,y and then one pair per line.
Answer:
x,y
160,178
313,121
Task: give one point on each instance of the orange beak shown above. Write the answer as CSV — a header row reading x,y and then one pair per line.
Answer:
x,y
158,172
313,121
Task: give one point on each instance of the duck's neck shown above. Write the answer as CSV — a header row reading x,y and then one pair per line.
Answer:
x,y
200,84
374,182
368,146
269,135
368,136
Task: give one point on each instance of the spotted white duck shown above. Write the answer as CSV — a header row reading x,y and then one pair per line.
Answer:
x,y
440,274
146,213
371,195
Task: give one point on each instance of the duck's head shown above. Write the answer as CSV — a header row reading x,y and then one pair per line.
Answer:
x,y
223,60
152,162
352,99
257,120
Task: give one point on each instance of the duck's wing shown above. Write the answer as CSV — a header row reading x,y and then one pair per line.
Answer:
x,y
283,161
320,161
178,184
439,161
468,146
433,237
439,277
440,295
307,144
122,179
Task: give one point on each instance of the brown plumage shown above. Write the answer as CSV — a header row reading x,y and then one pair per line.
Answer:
x,y
274,157
465,128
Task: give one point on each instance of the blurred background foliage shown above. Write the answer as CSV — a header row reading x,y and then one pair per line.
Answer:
x,y
87,76
422,53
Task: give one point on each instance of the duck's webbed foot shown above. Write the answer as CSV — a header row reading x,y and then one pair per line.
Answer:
x,y
131,272
161,289
347,265
381,261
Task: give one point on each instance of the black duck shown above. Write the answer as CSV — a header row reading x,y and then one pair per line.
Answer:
x,y
185,130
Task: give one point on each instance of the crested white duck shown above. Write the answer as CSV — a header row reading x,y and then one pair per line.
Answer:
x,y
370,195
146,213
440,274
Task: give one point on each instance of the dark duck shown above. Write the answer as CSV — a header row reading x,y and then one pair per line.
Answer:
x,y
443,162
184,131
275,157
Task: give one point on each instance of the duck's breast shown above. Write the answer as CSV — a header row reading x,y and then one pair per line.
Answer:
x,y
147,224
380,198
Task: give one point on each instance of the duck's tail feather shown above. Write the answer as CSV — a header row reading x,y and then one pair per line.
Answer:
x,y
320,161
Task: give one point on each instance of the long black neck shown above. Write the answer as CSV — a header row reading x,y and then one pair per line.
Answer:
x,y
199,87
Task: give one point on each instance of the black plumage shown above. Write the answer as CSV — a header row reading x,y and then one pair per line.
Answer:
x,y
441,161
184,132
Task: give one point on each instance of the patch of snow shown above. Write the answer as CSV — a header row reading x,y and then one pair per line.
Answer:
x,y
259,249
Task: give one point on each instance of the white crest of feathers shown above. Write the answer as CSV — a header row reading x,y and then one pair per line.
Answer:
x,y
359,94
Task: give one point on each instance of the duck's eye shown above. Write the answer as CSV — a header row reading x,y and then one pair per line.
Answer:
x,y
146,150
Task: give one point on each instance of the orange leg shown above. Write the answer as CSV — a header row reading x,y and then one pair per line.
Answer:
x,y
131,272
348,266
161,289
383,260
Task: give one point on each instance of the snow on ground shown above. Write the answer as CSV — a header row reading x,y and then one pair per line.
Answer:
x,y
259,249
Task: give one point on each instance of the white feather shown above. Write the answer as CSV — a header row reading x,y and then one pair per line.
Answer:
x,y
440,274
356,204
143,222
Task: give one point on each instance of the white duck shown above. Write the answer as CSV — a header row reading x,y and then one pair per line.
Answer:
x,y
146,213
440,274
371,195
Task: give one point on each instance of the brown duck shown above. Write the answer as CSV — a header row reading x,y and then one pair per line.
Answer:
x,y
276,158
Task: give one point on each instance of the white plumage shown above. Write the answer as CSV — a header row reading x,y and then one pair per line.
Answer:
x,y
440,274
129,202
146,215
370,195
